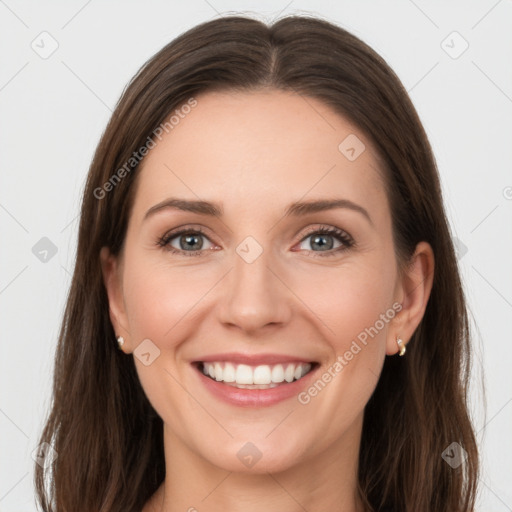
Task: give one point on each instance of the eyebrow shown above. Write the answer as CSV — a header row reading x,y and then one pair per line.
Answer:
x,y
296,209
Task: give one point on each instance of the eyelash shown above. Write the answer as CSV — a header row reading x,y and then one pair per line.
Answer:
x,y
342,236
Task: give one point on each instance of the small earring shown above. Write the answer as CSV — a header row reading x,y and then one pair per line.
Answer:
x,y
401,346
120,342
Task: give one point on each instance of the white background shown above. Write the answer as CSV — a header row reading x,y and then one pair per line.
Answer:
x,y
54,110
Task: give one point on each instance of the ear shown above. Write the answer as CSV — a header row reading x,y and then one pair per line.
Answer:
x,y
413,292
112,273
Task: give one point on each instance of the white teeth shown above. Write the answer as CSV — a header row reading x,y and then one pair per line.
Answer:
x,y
218,371
289,373
254,376
243,374
278,373
229,373
262,375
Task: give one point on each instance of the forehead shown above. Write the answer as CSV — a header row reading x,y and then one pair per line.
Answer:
x,y
263,148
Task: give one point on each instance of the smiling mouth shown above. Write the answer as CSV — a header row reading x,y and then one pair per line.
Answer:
x,y
264,376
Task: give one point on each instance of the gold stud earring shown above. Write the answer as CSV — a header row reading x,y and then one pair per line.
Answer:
x,y
401,346
120,342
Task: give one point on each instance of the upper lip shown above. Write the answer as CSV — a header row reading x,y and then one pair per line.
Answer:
x,y
252,359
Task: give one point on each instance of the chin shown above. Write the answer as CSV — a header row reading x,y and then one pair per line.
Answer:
x,y
256,457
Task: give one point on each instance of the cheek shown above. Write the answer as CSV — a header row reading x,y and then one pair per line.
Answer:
x,y
160,306
349,301
160,298
354,305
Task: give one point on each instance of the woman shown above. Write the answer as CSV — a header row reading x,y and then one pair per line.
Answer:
x,y
264,372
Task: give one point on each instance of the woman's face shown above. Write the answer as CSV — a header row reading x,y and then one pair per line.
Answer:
x,y
261,290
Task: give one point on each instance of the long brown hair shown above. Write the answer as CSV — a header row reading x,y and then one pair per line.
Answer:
x,y
108,438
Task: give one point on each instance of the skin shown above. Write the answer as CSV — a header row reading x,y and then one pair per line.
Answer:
x,y
256,153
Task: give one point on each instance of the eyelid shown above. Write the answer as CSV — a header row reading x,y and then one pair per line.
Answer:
x,y
330,230
346,240
185,228
343,236
164,241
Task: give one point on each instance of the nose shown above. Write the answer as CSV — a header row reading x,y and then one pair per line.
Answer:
x,y
254,296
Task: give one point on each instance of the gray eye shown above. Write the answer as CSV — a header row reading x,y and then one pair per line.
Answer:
x,y
321,242
188,241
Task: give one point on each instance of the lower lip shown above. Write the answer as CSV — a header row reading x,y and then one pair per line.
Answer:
x,y
255,397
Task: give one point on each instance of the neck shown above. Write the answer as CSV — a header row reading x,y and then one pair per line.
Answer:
x,y
325,481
